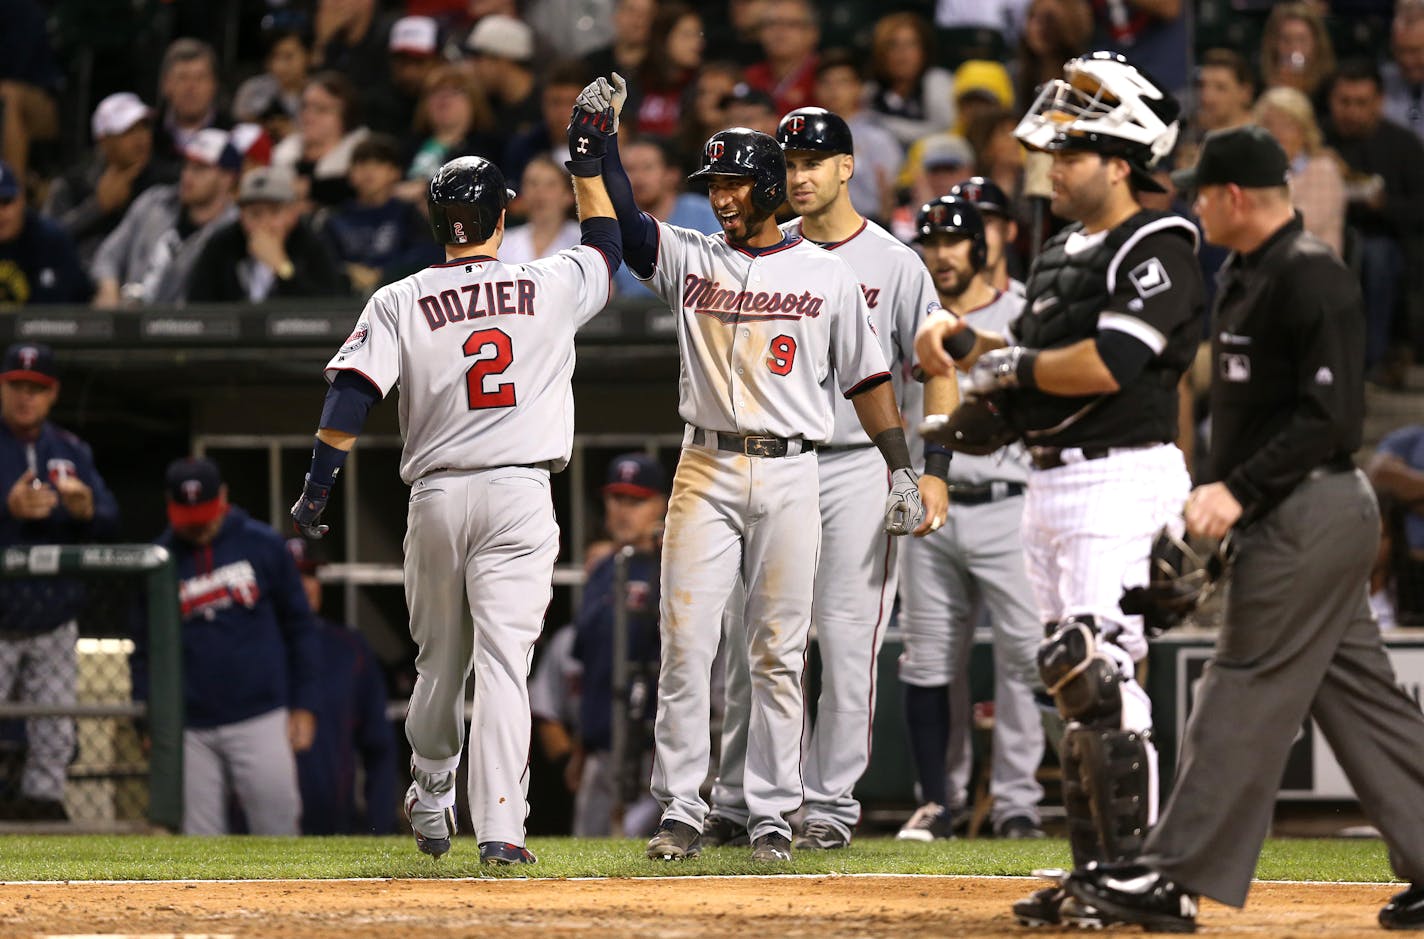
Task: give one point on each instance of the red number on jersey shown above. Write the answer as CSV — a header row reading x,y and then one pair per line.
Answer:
x,y
503,394
783,355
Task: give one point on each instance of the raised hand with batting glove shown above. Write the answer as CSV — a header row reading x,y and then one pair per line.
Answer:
x,y
903,509
589,132
603,93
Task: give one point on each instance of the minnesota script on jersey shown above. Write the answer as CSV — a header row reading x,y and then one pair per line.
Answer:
x,y
483,353
899,293
759,333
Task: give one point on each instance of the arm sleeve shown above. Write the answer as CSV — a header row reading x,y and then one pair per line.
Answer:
x,y
299,629
859,361
1158,288
1327,309
373,348
640,232
348,402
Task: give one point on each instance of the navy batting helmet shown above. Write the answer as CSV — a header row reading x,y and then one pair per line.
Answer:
x,y
954,215
465,198
814,129
741,151
986,195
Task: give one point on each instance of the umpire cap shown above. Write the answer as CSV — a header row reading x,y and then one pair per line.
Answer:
x,y
750,154
954,215
465,198
986,195
815,129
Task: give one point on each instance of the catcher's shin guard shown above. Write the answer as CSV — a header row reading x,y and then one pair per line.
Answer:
x,y
1084,682
1113,776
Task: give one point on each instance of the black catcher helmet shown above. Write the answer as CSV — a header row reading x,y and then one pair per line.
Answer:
x,y
814,129
741,151
954,215
465,198
986,195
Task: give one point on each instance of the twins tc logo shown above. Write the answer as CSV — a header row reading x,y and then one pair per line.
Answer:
x,y
795,124
192,491
28,356
627,472
715,149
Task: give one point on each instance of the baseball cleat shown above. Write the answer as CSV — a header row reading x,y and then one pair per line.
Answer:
x,y
1040,908
772,847
432,826
1134,893
1018,827
674,841
821,835
501,853
719,830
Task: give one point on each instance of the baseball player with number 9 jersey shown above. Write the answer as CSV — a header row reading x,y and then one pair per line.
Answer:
x,y
483,353
765,321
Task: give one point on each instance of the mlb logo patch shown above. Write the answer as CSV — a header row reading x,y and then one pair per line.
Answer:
x,y
1149,278
1235,367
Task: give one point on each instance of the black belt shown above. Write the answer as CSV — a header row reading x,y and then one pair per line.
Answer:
x,y
980,493
1047,458
752,445
841,447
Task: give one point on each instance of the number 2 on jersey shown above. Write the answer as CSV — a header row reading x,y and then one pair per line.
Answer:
x,y
503,394
783,355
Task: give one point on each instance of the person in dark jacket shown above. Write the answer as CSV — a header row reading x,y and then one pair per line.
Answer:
x,y
351,725
270,252
38,263
251,654
54,495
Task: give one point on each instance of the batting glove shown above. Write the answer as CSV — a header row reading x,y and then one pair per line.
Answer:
x,y
903,509
588,140
306,512
995,369
602,93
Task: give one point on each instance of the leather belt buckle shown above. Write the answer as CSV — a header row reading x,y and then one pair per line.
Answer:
x,y
763,446
998,490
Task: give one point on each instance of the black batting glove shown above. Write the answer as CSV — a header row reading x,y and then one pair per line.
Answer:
x,y
588,140
306,512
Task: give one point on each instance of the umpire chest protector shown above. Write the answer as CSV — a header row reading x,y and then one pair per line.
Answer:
x,y
1064,296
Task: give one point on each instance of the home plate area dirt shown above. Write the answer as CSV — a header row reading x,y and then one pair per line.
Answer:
x,y
673,907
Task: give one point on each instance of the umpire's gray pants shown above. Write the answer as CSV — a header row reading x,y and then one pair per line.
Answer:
x,y
44,667
1298,640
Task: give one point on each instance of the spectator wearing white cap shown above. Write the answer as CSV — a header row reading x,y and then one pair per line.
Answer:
x,y
500,52
413,52
270,252
146,259
91,198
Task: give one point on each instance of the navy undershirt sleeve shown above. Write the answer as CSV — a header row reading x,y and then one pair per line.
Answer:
x,y
348,401
640,232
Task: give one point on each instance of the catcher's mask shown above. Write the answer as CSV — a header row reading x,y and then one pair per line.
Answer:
x,y
978,426
1179,579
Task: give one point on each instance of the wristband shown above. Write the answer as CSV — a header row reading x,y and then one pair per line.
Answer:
x,y
961,343
1023,369
937,463
326,463
587,168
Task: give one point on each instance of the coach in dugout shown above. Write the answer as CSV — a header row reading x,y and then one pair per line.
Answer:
x,y
54,495
250,658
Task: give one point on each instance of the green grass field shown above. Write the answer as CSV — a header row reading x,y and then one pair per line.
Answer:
x,y
76,857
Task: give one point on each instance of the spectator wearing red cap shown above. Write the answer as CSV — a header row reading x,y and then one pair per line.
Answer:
x,y
352,730
91,199
147,258
38,262
54,495
250,658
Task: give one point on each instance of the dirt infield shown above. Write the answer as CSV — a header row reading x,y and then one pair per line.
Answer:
x,y
675,907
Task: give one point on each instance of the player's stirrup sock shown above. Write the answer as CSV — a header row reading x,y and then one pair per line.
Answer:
x,y
927,717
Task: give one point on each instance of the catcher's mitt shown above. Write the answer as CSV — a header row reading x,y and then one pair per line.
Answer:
x,y
978,426
1179,579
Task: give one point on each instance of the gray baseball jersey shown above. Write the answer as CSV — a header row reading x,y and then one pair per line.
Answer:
x,y
759,333
483,353
899,293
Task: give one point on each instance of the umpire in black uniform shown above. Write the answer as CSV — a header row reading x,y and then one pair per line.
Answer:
x,y
1287,398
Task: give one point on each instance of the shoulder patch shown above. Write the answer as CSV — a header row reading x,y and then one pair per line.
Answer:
x,y
1149,278
357,339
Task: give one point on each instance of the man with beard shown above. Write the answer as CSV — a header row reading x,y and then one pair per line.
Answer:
x,y
855,576
975,561
768,325
1088,374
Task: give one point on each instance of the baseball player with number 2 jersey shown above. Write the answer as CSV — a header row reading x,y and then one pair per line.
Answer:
x,y
856,575
483,353
766,322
